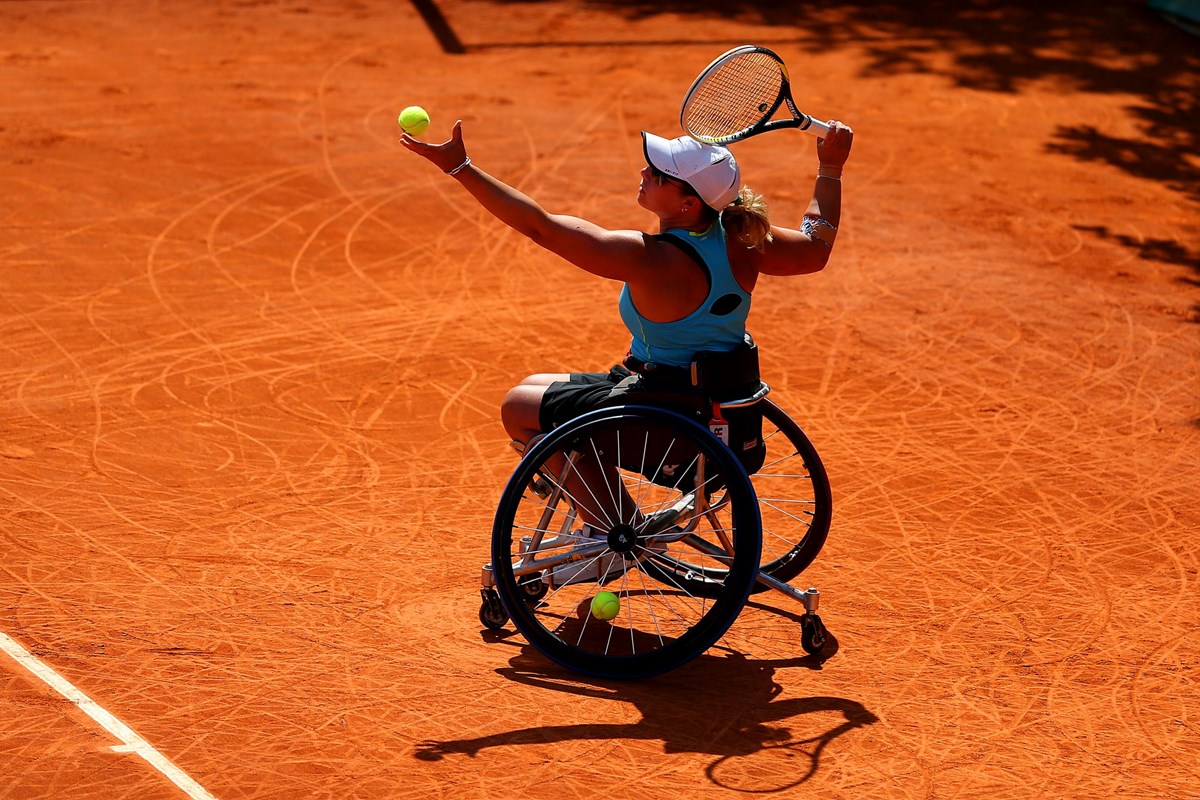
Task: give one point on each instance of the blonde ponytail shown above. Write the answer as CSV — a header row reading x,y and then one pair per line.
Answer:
x,y
746,219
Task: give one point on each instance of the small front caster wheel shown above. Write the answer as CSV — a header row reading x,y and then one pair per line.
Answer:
x,y
491,612
812,634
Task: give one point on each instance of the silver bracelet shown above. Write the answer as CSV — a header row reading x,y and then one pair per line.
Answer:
x,y
459,168
809,225
812,221
829,171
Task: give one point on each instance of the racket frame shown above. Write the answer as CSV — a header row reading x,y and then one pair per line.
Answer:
x,y
799,119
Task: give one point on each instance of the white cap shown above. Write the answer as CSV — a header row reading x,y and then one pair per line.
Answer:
x,y
711,170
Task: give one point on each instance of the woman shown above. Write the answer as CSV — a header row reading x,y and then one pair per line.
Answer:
x,y
687,289
695,191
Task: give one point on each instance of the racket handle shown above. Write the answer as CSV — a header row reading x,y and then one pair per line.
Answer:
x,y
816,127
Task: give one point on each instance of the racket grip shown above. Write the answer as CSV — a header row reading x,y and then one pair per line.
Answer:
x,y
816,127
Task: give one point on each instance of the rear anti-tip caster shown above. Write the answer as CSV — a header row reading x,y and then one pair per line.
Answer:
x,y
812,631
812,634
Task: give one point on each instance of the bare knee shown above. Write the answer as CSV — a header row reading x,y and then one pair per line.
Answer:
x,y
521,409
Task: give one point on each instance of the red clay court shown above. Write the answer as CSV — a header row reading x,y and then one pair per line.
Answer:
x,y
253,354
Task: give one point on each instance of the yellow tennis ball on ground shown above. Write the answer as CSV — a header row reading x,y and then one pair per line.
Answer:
x,y
605,605
414,120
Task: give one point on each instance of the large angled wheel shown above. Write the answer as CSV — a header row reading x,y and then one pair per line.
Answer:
x,y
794,498
643,471
795,506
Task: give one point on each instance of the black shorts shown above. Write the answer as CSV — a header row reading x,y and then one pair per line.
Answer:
x,y
563,401
585,391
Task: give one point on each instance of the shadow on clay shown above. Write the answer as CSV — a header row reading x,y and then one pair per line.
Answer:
x,y
721,704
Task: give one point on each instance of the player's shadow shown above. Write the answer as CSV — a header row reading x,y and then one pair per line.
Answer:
x,y
721,703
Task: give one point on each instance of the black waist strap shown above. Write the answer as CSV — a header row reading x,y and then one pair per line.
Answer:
x,y
659,373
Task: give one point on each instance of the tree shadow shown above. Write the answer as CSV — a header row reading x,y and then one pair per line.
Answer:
x,y
1150,160
721,704
1166,251
1119,47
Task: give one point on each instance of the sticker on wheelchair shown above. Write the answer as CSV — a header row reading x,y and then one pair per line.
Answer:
x,y
720,430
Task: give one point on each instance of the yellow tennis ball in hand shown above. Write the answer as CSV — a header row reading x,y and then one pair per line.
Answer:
x,y
605,605
414,120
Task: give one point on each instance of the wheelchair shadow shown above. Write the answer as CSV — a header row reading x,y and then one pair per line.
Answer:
x,y
721,704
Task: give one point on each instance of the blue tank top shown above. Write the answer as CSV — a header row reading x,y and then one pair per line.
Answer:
x,y
718,324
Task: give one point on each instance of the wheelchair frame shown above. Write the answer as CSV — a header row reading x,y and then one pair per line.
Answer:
x,y
714,514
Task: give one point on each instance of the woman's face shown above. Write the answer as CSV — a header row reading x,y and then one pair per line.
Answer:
x,y
660,193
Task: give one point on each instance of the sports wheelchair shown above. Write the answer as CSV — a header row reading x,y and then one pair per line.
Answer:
x,y
691,527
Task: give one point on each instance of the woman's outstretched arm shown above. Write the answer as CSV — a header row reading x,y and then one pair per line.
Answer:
x,y
618,255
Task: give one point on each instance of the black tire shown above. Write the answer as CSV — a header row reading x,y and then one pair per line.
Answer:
x,y
491,612
794,497
812,634
660,626
795,508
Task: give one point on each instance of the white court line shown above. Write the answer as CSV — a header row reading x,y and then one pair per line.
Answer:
x,y
131,742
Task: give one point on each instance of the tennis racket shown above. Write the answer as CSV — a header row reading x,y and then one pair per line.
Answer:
x,y
735,97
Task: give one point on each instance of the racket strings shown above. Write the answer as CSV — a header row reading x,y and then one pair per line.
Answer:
x,y
734,97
